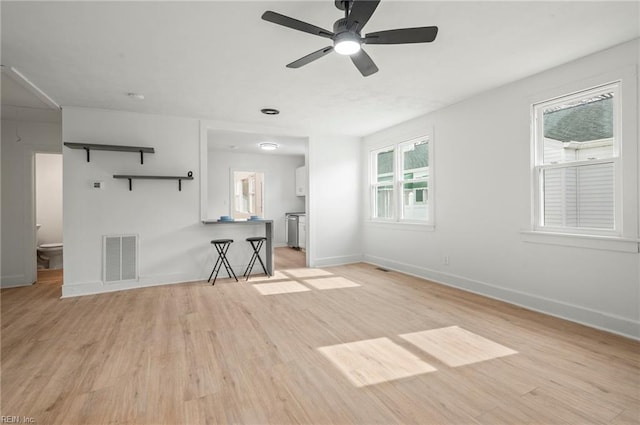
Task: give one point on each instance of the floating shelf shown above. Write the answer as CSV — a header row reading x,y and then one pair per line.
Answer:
x,y
117,148
189,176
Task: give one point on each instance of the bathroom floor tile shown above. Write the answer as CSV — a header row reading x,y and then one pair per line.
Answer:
x,y
283,287
331,283
374,361
455,346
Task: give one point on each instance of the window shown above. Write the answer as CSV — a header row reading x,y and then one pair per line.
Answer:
x,y
383,183
401,182
577,163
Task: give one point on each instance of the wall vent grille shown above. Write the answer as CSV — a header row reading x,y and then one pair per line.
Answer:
x,y
120,258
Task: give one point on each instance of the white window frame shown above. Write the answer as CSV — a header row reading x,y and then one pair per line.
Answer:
x,y
374,184
539,167
399,181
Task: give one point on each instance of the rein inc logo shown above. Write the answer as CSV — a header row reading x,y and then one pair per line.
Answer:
x,y
17,420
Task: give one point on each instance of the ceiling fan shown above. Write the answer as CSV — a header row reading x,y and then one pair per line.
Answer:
x,y
346,35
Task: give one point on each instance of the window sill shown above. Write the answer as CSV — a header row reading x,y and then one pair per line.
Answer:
x,y
606,243
401,225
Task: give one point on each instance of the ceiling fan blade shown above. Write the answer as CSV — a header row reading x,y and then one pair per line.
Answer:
x,y
295,24
310,57
364,63
361,11
402,36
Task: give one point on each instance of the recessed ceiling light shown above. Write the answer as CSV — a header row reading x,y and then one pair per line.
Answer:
x,y
138,96
268,146
269,111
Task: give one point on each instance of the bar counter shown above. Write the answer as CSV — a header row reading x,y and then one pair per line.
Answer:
x,y
268,226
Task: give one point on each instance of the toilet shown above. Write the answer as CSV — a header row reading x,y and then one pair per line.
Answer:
x,y
51,252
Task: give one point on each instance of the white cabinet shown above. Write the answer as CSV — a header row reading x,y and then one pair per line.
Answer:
x,y
301,181
302,232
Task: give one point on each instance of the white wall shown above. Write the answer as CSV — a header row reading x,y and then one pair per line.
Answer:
x,y
174,244
18,185
279,191
483,205
49,197
334,223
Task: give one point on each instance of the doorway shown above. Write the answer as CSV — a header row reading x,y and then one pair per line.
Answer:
x,y
48,212
239,178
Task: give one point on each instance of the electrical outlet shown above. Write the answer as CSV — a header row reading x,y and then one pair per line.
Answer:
x,y
97,185
445,260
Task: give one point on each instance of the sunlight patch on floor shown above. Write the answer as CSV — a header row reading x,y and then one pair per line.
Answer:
x,y
455,346
283,287
277,275
331,283
307,272
374,361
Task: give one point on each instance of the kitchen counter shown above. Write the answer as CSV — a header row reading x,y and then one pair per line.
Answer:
x,y
236,221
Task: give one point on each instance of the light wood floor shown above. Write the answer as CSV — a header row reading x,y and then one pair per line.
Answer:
x,y
288,258
195,354
50,276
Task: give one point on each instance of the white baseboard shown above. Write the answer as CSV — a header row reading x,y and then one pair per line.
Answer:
x,y
99,287
336,261
589,317
585,316
14,281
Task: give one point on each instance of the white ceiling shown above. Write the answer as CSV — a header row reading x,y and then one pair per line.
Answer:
x,y
240,142
219,60
20,103
16,95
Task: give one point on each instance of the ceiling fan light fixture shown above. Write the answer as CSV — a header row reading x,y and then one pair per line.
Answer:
x,y
346,44
347,34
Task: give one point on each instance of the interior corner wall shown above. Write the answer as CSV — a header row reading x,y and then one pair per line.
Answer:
x,y
18,240
483,204
173,244
334,220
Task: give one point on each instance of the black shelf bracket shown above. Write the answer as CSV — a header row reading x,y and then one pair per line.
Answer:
x,y
88,147
130,177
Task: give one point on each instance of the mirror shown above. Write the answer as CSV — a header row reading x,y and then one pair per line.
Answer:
x,y
248,194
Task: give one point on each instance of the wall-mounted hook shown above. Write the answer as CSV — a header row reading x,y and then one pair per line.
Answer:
x,y
19,139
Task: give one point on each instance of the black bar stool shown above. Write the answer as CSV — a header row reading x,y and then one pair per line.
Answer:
x,y
222,246
256,244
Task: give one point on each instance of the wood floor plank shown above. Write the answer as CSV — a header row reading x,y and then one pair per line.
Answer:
x,y
195,353
289,258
